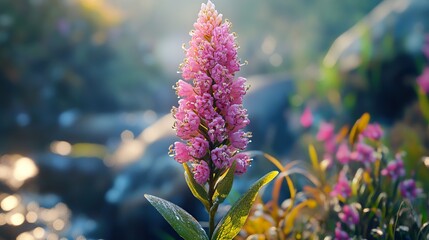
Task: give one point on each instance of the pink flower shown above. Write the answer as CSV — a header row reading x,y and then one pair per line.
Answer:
x,y
394,169
201,172
242,163
343,153
181,154
199,147
210,117
204,106
340,234
326,131
239,139
349,215
222,93
342,188
238,90
307,118
221,157
236,117
363,153
217,130
187,126
373,131
184,89
423,80
408,189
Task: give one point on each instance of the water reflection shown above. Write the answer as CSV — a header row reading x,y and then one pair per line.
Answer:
x,y
16,169
25,215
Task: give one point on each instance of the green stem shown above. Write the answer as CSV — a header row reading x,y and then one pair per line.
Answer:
x,y
212,211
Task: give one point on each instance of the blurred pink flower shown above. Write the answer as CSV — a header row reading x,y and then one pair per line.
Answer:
x,y
408,189
343,153
394,169
307,118
363,153
326,131
342,187
340,234
423,80
373,131
349,215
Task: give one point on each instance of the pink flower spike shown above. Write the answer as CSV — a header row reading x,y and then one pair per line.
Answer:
x,y
210,117
201,172
307,118
423,80
326,131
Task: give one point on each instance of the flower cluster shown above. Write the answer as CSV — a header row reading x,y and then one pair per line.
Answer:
x,y
362,156
357,195
210,117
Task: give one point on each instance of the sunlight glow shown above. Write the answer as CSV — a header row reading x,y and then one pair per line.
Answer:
x,y
61,147
24,169
58,224
39,232
9,203
25,236
17,219
31,217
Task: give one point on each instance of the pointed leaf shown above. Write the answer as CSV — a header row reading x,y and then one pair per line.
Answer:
x,y
182,222
313,157
231,223
224,185
197,190
358,128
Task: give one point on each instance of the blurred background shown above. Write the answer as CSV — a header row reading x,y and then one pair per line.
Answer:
x,y
86,91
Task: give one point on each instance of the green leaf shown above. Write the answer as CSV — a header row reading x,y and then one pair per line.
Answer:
x,y
197,190
231,223
224,185
182,222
